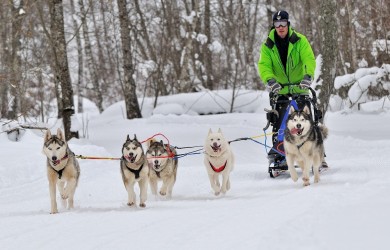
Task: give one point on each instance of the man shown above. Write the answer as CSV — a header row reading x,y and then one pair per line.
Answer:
x,y
286,66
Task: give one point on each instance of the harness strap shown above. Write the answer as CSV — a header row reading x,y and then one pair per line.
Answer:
x,y
300,145
283,125
134,171
59,172
220,169
157,173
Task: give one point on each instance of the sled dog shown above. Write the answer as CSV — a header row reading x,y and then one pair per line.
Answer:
x,y
304,144
134,168
163,167
63,170
218,160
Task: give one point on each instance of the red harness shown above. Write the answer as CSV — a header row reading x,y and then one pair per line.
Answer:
x,y
56,162
220,169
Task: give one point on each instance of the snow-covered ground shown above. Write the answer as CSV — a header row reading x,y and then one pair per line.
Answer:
x,y
348,209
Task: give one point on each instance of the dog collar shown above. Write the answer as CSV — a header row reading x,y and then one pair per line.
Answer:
x,y
220,169
55,163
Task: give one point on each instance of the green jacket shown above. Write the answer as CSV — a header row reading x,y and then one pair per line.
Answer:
x,y
300,61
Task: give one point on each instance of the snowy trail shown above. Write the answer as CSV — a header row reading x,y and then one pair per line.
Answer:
x,y
350,203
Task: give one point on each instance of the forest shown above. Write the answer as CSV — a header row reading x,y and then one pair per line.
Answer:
x,y
112,50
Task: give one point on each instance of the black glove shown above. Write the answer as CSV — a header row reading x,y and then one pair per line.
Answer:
x,y
306,82
273,86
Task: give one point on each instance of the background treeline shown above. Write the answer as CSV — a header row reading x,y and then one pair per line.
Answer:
x,y
163,47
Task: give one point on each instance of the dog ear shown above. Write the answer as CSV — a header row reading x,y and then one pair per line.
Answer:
x,y
128,138
210,131
60,135
162,143
135,137
150,142
47,135
220,130
306,110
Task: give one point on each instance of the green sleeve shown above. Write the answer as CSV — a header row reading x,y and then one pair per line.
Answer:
x,y
308,59
264,65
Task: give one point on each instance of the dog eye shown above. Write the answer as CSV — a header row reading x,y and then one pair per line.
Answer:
x,y
127,148
58,148
134,148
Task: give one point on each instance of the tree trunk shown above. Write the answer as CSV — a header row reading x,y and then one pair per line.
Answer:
x,y
15,70
129,86
329,50
61,65
79,89
91,62
208,55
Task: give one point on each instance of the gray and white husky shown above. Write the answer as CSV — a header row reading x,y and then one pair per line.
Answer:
x,y
218,160
134,169
163,167
63,170
304,144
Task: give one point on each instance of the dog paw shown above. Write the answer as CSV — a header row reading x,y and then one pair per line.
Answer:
x,y
64,196
130,204
163,193
142,205
54,211
216,193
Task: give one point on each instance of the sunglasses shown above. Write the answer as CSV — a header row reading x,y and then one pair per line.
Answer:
x,y
277,24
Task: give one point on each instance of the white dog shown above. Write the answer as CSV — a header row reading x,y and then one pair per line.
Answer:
x,y
219,161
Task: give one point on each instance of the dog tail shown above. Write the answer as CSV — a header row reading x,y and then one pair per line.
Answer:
x,y
324,131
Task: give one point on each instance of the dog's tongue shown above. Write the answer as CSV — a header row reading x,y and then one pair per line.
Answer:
x,y
295,131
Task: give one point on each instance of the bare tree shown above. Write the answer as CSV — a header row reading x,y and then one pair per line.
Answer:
x,y
80,80
129,86
329,49
91,61
61,68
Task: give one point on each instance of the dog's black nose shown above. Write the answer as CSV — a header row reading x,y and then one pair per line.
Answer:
x,y
131,154
299,125
54,158
156,162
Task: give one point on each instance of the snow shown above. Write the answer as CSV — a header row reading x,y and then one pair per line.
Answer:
x,y
348,209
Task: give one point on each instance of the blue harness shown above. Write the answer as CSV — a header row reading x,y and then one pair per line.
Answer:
x,y
284,121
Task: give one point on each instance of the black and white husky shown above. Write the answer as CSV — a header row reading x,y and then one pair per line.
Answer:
x,y
63,170
134,169
304,144
163,167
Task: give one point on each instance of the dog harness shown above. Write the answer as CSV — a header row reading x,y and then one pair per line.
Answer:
x,y
135,172
56,162
220,169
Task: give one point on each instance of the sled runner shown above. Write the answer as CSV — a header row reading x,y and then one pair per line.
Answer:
x,y
280,104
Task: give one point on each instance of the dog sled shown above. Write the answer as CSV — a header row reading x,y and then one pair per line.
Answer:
x,y
280,104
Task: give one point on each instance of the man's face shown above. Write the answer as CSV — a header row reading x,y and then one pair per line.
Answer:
x,y
281,27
